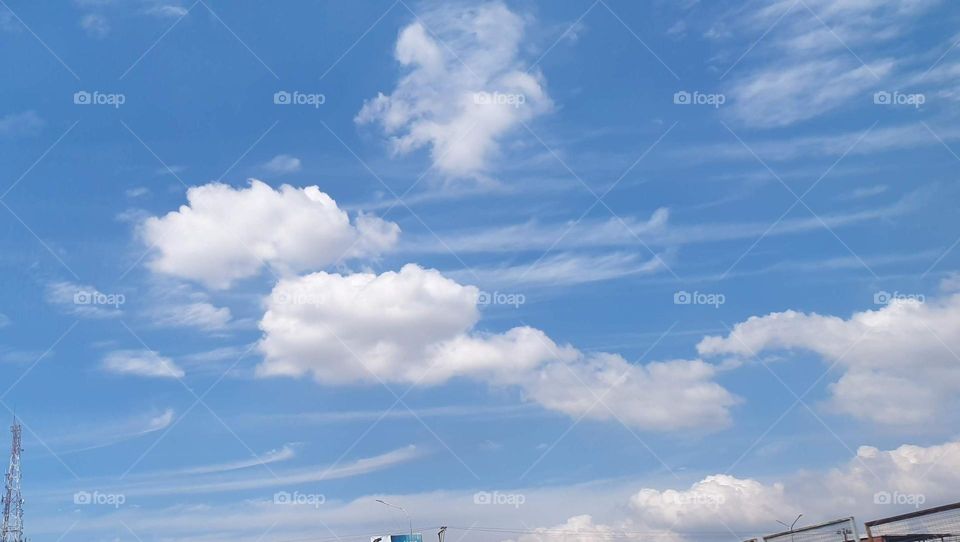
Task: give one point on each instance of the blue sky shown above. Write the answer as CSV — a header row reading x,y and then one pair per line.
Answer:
x,y
647,267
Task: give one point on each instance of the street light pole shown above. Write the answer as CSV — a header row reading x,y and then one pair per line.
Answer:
x,y
402,509
790,527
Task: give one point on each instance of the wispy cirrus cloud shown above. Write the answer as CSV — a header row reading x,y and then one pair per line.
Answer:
x,y
198,314
26,123
279,455
110,433
564,269
142,363
243,476
84,300
281,164
814,56
658,231
860,142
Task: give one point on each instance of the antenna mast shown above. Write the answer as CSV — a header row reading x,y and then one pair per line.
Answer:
x,y
12,530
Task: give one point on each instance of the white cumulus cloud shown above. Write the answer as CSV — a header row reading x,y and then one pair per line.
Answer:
x,y
583,528
747,507
899,361
464,90
716,499
406,326
224,234
416,326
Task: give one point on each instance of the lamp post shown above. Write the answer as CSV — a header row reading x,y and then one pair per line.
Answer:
x,y
400,508
790,527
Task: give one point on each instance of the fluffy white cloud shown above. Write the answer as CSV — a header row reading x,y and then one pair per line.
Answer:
x,y
146,363
406,326
583,529
900,362
225,234
716,499
751,507
416,326
466,87
932,472
660,396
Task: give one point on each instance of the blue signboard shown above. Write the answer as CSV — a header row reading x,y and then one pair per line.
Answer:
x,y
416,537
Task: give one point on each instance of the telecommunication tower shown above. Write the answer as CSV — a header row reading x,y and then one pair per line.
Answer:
x,y
12,530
